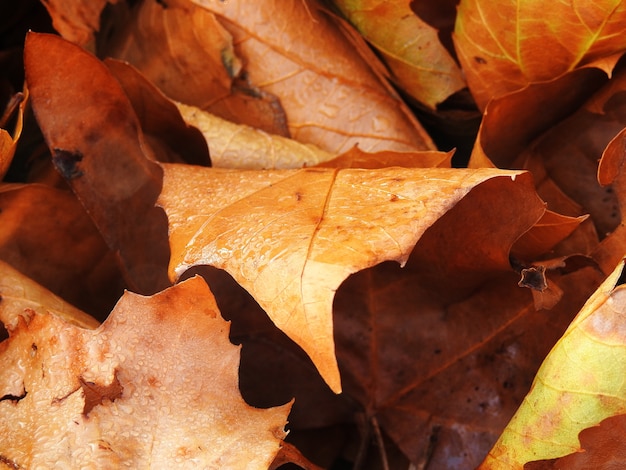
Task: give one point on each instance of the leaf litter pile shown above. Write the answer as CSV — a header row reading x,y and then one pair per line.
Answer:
x,y
300,234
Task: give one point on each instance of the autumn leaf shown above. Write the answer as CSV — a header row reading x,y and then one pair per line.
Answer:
x,y
418,62
248,148
505,46
8,141
291,237
579,385
331,98
89,278
152,389
22,297
99,141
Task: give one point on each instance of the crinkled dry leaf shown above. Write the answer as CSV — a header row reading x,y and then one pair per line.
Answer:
x,y
331,97
418,62
504,46
154,386
291,237
580,383
8,142
97,145
240,146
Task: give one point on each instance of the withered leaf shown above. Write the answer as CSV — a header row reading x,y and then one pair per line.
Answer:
x,y
100,150
331,97
154,386
291,237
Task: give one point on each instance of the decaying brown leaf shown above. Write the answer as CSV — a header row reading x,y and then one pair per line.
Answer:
x,y
99,149
154,386
291,237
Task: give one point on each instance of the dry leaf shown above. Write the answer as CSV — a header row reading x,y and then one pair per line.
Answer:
x,y
331,97
98,147
47,235
167,134
418,62
291,237
21,298
239,146
76,20
579,384
442,352
8,142
150,387
357,158
504,46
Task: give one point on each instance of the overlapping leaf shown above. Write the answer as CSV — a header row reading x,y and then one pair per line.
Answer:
x,y
579,385
418,62
154,386
504,46
291,237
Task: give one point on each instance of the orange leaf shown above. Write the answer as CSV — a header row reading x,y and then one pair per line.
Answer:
x,y
291,237
503,46
154,386
331,97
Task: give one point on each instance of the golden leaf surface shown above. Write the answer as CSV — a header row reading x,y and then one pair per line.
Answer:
x,y
155,386
291,237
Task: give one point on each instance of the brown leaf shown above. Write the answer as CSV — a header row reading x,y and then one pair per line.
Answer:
x,y
357,158
291,237
8,142
47,235
505,46
442,353
21,298
166,132
331,98
97,146
154,389
76,20
193,61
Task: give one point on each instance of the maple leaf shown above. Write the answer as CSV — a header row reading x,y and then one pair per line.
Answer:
x,y
579,384
149,387
291,237
504,46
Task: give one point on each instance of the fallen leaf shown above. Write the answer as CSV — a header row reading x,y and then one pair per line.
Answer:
x,y
579,384
47,235
21,297
240,146
169,137
418,62
357,158
602,448
148,388
291,237
442,352
331,97
75,20
8,142
98,147
505,46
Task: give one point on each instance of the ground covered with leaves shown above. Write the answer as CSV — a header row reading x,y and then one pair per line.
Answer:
x,y
301,234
